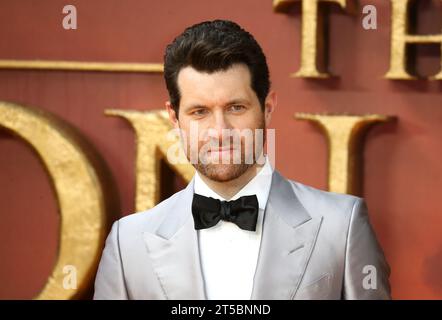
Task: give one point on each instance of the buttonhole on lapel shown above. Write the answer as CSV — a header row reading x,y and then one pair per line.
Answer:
x,y
296,249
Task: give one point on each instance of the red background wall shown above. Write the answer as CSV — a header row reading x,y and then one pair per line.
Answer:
x,y
403,177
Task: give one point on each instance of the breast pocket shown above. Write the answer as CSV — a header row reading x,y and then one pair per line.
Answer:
x,y
317,289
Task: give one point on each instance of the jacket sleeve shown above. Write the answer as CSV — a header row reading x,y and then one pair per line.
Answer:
x,y
366,269
109,282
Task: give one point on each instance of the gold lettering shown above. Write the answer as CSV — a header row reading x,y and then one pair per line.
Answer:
x,y
344,136
152,144
399,40
312,42
81,197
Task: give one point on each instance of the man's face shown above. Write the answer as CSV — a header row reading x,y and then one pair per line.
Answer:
x,y
225,112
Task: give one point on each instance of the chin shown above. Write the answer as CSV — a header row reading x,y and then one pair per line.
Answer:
x,y
222,172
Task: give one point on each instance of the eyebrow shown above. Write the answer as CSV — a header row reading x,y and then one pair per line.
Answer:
x,y
231,102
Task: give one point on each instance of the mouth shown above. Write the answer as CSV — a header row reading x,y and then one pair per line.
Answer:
x,y
221,152
223,149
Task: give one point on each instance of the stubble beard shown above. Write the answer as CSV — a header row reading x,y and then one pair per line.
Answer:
x,y
226,172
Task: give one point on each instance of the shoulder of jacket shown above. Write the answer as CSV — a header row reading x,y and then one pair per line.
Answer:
x,y
150,219
323,202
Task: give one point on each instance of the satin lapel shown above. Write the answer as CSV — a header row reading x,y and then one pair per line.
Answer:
x,y
174,252
288,238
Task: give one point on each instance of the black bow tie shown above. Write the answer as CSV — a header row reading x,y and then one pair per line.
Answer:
x,y
207,212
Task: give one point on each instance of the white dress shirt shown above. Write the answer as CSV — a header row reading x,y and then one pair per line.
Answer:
x,y
228,253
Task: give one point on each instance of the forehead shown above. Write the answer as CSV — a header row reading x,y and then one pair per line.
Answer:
x,y
211,88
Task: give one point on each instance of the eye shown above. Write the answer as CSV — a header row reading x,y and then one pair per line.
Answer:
x,y
237,108
199,112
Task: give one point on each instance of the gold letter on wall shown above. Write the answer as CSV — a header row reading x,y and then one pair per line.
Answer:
x,y
79,192
344,133
399,40
153,141
312,35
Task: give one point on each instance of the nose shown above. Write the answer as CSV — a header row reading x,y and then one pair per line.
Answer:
x,y
220,123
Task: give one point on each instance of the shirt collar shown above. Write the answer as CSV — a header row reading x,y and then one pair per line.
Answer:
x,y
259,185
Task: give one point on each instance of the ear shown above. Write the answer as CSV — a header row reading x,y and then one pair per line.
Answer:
x,y
172,115
270,104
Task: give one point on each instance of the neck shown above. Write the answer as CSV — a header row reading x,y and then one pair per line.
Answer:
x,y
229,188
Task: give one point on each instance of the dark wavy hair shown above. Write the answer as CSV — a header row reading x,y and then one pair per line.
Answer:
x,y
212,46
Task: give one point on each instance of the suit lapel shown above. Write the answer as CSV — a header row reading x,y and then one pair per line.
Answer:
x,y
288,238
173,250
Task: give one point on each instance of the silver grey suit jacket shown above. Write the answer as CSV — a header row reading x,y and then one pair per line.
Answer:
x,y
315,245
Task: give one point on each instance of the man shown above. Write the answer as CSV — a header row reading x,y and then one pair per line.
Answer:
x,y
239,230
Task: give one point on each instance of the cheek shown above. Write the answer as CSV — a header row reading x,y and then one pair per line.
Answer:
x,y
184,131
187,127
252,121
195,134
